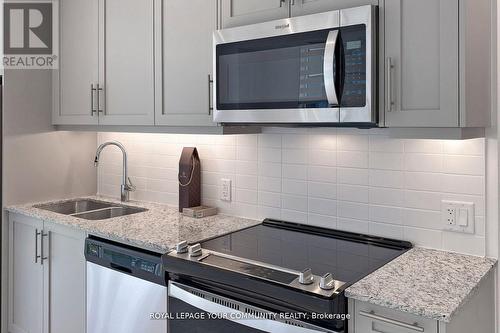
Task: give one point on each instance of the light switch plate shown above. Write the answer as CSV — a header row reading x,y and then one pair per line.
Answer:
x,y
458,216
225,192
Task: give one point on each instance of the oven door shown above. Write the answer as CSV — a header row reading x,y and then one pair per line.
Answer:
x,y
197,311
283,71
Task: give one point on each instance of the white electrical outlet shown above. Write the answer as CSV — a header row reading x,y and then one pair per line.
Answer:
x,y
225,193
458,216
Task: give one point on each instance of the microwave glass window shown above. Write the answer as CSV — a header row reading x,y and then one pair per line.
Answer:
x,y
284,72
354,76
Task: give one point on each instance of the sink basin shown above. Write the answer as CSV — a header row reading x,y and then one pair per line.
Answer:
x,y
91,209
75,206
109,213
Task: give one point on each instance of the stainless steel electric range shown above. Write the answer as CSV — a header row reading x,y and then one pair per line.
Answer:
x,y
273,277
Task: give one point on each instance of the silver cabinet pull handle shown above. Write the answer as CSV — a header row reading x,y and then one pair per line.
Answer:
x,y
36,245
386,320
389,68
92,91
42,257
99,89
210,105
329,58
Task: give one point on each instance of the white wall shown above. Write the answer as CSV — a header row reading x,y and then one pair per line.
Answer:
x,y
355,180
39,163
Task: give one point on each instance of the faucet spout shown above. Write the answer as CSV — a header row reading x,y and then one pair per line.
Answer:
x,y
126,186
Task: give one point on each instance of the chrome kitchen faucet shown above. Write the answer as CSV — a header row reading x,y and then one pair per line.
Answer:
x,y
127,185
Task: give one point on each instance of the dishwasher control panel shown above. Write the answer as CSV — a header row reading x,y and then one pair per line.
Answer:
x,y
125,259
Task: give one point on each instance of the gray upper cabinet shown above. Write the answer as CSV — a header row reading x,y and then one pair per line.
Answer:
x,y
422,63
243,12
126,68
106,73
78,63
305,7
437,63
185,97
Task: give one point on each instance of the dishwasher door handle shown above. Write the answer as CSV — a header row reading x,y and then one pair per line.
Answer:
x,y
120,268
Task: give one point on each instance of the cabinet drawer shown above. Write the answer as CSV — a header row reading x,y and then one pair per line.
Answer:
x,y
371,318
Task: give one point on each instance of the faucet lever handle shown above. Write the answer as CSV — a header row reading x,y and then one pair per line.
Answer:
x,y
130,185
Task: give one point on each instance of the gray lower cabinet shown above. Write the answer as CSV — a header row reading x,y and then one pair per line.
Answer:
x,y
476,314
46,277
185,97
243,12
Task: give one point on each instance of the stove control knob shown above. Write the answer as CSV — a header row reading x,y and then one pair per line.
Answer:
x,y
195,250
306,276
327,282
181,247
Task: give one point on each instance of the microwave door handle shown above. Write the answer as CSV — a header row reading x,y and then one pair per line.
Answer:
x,y
328,68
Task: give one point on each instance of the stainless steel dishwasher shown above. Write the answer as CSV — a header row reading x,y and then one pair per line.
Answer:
x,y
126,289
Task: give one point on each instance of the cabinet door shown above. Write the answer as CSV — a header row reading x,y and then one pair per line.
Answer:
x,y
78,49
25,275
126,70
242,12
64,276
306,7
421,43
377,319
187,63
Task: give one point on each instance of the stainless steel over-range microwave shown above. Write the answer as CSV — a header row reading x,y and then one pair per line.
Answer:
x,y
315,69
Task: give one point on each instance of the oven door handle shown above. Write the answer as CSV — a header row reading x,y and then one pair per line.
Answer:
x,y
234,313
328,68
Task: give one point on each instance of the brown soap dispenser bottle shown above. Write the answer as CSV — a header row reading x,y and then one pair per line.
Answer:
x,y
189,179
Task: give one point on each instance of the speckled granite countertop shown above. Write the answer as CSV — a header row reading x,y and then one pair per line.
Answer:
x,y
158,229
428,283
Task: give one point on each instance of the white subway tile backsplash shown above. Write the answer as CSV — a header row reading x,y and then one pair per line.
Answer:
x,y
322,157
463,184
352,159
294,171
464,165
295,156
386,178
322,190
353,210
350,179
269,199
423,162
322,174
353,176
322,206
294,202
386,161
291,186
270,184
353,193
247,182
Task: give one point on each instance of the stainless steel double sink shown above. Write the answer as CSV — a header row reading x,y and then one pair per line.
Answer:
x,y
90,209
